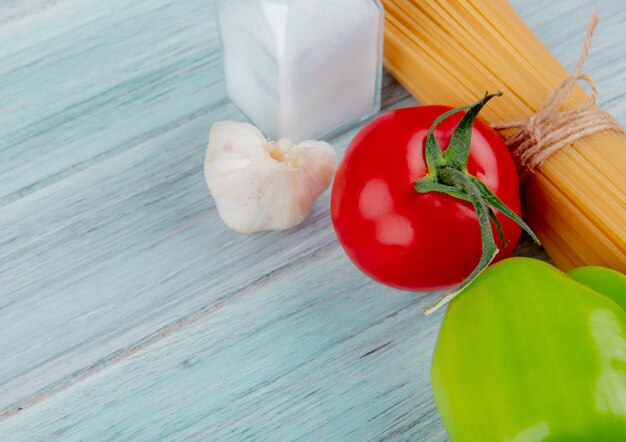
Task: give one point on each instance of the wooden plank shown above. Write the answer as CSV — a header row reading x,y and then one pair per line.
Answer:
x,y
313,352
122,249
85,80
55,276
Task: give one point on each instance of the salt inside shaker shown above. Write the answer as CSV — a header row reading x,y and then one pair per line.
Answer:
x,y
302,69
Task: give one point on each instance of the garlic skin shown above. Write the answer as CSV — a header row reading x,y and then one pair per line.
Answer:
x,y
262,185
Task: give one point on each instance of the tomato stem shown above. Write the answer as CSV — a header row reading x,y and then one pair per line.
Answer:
x,y
447,173
457,153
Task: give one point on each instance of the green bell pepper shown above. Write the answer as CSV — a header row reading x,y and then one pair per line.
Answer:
x,y
528,353
608,282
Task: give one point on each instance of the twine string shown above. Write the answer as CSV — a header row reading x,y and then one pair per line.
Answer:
x,y
534,140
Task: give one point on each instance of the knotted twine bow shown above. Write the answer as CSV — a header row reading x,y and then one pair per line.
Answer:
x,y
534,140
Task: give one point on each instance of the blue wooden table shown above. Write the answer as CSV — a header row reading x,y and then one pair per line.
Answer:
x,y
128,311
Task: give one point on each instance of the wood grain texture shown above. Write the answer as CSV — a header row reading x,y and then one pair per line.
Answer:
x,y
127,310
85,80
275,361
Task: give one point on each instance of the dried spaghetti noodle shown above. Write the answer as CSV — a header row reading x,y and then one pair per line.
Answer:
x,y
451,51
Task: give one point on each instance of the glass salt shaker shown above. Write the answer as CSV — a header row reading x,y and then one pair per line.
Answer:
x,y
302,69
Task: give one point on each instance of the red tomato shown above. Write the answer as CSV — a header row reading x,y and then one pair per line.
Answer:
x,y
404,239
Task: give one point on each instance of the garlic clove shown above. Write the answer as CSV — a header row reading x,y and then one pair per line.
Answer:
x,y
262,185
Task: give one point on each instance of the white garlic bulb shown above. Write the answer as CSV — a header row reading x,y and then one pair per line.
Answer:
x,y
263,185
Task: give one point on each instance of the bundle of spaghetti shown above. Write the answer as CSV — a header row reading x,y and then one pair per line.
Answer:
x,y
451,51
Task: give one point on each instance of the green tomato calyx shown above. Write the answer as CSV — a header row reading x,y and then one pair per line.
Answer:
x,y
447,173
